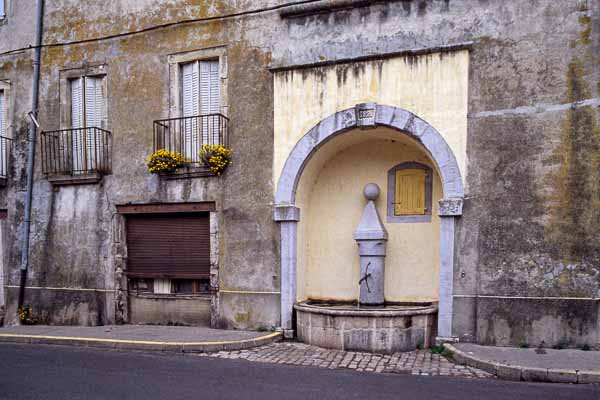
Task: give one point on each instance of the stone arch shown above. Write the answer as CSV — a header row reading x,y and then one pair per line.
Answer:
x,y
399,119
364,116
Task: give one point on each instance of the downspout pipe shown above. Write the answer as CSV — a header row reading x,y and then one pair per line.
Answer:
x,y
31,142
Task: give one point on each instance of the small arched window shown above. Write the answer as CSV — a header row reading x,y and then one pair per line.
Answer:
x,y
409,193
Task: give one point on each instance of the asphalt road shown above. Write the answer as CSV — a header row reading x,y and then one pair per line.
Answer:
x,y
54,372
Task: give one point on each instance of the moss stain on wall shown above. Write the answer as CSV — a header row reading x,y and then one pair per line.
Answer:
x,y
573,230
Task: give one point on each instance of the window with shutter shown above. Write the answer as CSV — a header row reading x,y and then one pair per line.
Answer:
x,y
168,246
94,105
88,110
77,118
76,103
410,192
191,108
200,96
209,99
2,114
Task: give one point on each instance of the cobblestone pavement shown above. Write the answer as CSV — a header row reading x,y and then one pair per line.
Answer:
x,y
419,362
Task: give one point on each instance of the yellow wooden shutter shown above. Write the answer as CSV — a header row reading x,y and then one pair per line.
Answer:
x,y
410,192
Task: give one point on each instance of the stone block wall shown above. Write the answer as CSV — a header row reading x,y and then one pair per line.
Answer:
x,y
370,331
169,310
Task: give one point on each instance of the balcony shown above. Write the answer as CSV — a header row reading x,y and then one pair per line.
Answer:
x,y
186,135
76,156
5,145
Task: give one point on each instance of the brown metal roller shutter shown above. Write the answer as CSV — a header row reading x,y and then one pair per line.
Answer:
x,y
168,245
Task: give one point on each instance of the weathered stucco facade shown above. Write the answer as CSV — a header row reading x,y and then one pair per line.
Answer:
x,y
511,87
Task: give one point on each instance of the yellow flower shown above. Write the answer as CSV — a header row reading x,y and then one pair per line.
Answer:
x,y
215,157
164,160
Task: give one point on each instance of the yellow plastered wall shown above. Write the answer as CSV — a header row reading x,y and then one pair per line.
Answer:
x,y
331,200
329,194
432,86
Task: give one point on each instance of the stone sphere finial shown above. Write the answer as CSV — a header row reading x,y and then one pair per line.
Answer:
x,y
371,191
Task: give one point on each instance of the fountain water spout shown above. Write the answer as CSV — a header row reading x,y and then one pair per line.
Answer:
x,y
371,238
365,278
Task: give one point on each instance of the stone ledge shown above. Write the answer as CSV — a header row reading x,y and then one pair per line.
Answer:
x,y
170,296
287,65
508,373
562,376
368,313
323,7
188,172
588,376
83,179
178,347
520,373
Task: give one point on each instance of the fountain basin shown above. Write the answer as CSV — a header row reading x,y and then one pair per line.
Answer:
x,y
385,329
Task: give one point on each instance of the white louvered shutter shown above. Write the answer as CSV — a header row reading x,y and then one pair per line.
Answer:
x,y
209,100
3,144
94,102
191,107
94,113
77,121
76,103
2,112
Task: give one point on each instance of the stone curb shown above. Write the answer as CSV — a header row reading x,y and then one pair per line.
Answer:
x,y
120,344
520,373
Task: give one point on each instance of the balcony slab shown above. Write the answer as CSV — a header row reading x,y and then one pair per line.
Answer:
x,y
83,179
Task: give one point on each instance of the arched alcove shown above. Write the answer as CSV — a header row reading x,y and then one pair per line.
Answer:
x,y
310,155
330,196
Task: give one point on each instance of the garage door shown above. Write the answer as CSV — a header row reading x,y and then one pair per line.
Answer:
x,y
168,245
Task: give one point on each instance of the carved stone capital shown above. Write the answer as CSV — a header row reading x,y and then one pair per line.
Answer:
x,y
283,213
450,207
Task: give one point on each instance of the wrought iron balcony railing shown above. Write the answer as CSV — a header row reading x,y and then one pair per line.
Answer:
x,y
5,145
76,151
186,135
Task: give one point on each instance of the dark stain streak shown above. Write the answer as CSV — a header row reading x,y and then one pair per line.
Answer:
x,y
422,8
46,255
446,6
342,17
412,61
317,73
574,228
358,70
364,12
342,74
187,189
384,14
407,6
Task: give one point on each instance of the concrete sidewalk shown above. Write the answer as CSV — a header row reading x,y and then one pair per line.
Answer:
x,y
140,337
520,364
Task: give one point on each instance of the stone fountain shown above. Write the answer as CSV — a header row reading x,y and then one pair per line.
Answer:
x,y
371,324
371,238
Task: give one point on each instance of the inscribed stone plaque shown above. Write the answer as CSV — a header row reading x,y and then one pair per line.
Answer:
x,y
365,113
